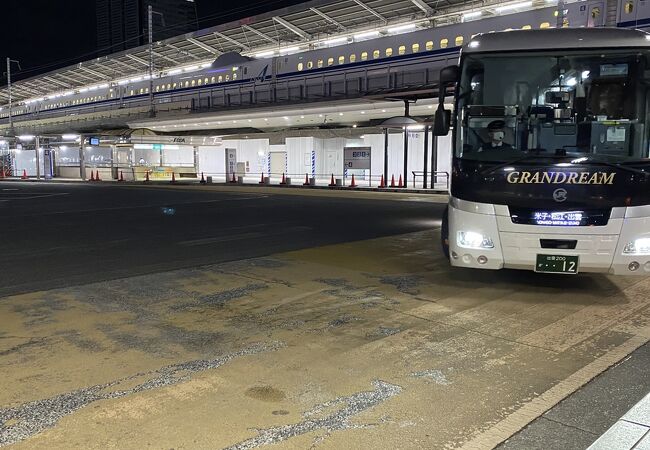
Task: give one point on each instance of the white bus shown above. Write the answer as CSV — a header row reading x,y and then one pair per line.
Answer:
x,y
551,145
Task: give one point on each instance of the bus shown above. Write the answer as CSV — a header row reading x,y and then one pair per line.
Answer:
x,y
550,169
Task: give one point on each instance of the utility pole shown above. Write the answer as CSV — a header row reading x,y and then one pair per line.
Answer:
x,y
152,111
9,61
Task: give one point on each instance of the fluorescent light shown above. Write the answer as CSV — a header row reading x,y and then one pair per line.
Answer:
x,y
122,82
265,54
415,127
26,137
174,72
585,74
399,29
337,40
474,44
514,6
289,50
366,35
135,80
472,15
69,137
571,81
191,69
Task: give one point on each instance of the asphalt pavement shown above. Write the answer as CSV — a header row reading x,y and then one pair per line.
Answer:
x,y
56,235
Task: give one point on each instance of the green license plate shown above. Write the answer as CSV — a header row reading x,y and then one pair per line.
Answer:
x,y
557,264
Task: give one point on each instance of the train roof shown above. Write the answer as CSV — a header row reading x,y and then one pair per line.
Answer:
x,y
557,39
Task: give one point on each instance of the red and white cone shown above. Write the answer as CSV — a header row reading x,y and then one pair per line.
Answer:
x,y
332,183
173,181
392,181
353,184
202,179
146,176
400,184
284,180
24,177
92,176
97,176
306,183
381,183
121,176
262,179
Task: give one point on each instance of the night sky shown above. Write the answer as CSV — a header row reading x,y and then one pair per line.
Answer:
x,y
45,34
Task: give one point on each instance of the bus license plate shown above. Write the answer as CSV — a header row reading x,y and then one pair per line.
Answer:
x,y
557,264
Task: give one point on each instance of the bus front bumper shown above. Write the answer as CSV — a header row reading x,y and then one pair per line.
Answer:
x,y
495,242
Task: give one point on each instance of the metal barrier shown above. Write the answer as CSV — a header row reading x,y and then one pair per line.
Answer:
x,y
434,178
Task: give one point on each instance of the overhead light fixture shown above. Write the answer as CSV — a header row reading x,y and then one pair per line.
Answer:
x,y
265,54
69,137
286,51
472,15
26,137
366,35
338,40
402,28
174,72
514,6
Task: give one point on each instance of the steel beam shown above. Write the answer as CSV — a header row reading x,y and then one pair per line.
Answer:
x,y
327,18
371,11
291,27
260,34
205,47
231,40
137,59
423,6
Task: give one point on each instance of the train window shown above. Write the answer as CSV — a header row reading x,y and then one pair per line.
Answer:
x,y
206,80
364,56
320,63
310,65
526,27
353,58
565,23
158,88
444,42
235,69
330,61
193,82
375,54
227,77
245,70
234,76
389,52
341,59
629,7
401,50
131,92
458,41
174,85
415,48
429,46
200,82
300,66
213,79
545,25
220,78
187,83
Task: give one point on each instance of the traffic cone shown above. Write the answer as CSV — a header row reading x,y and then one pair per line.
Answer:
x,y
24,177
97,176
284,180
262,179
2,174
399,185
146,176
92,176
202,179
381,183
121,176
353,184
392,181
173,178
306,183
233,178
332,183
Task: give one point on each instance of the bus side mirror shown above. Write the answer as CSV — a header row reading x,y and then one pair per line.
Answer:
x,y
441,121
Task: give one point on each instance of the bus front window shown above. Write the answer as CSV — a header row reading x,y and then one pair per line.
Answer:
x,y
575,103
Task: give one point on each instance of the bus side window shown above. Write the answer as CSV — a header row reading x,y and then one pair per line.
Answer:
x,y
444,42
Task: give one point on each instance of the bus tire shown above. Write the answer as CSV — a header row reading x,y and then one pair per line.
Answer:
x,y
444,233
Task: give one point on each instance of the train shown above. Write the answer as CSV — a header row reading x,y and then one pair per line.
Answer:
x,y
373,51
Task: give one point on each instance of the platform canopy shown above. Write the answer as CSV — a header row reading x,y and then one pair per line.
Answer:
x,y
289,30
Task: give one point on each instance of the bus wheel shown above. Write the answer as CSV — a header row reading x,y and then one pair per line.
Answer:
x,y
444,233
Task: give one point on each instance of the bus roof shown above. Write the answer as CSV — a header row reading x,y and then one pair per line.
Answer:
x,y
557,39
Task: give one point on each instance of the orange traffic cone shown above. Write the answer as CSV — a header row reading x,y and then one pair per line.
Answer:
x,y
381,183
121,176
173,178
233,178
353,184
284,180
146,176
332,183
306,183
24,177
262,179
202,179
392,181
2,174
92,176
400,181
97,176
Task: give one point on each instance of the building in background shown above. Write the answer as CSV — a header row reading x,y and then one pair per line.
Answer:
x,y
122,24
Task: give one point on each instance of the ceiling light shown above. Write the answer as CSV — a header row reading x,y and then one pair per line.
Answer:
x,y
265,54
402,28
472,15
514,6
69,137
338,40
366,35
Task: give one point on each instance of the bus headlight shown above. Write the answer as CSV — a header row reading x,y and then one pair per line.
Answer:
x,y
471,239
637,247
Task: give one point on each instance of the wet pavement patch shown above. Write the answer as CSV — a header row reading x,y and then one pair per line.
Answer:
x,y
432,375
265,393
24,421
406,284
318,418
221,298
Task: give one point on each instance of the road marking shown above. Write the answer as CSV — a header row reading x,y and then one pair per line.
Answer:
x,y
240,236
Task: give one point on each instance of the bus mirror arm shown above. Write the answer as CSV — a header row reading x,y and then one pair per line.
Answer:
x,y
442,118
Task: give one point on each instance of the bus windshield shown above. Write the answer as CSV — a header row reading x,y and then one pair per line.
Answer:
x,y
551,103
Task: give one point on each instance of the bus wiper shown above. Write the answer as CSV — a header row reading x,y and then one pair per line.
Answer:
x,y
491,170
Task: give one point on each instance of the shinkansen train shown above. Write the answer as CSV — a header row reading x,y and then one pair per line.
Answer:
x,y
372,51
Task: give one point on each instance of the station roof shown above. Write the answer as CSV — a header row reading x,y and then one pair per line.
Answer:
x,y
302,26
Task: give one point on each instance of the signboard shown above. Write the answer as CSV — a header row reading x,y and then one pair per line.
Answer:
x,y
157,146
356,158
94,141
231,162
